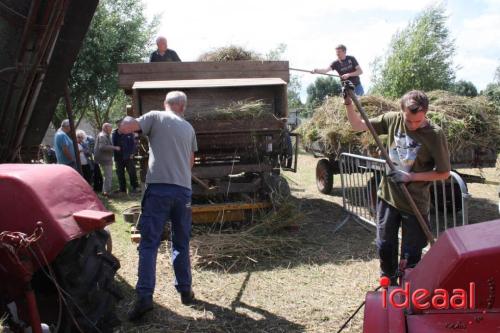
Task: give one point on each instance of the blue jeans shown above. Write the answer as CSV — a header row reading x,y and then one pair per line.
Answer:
x,y
163,202
358,90
389,220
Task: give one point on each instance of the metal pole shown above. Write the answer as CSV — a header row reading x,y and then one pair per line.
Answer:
x,y
386,157
311,72
69,112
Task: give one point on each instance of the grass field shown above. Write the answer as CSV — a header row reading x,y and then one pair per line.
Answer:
x,y
311,288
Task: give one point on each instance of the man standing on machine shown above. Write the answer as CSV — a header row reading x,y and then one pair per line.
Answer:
x,y
348,68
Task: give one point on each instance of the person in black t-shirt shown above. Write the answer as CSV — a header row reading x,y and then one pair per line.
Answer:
x,y
347,67
163,53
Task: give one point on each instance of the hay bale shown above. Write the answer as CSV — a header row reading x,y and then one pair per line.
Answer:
x,y
229,53
467,122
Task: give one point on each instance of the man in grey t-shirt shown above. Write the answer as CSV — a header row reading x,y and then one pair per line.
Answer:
x,y
172,144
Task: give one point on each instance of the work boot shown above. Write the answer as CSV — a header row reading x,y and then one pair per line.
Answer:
x,y
187,297
139,309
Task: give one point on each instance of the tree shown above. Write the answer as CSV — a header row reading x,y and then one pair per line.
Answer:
x,y
492,91
419,57
119,33
322,87
464,88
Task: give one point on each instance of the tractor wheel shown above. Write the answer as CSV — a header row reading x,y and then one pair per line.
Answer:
x,y
276,187
324,176
86,272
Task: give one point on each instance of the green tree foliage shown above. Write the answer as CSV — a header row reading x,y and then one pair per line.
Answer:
x,y
419,57
322,87
464,88
119,33
492,91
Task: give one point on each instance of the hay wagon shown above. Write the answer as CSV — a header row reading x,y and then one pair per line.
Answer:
x,y
328,163
240,154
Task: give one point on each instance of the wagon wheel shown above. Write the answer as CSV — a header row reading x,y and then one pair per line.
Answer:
x,y
324,176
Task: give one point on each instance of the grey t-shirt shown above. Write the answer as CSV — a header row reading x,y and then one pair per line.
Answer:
x,y
172,140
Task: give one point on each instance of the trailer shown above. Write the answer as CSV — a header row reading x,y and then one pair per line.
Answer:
x,y
238,163
328,164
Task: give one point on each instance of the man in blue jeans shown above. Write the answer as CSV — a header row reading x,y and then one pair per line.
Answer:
x,y
172,144
348,68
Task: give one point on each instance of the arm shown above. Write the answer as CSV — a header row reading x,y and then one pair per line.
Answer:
x,y
357,123
192,160
429,176
322,70
105,147
357,72
129,125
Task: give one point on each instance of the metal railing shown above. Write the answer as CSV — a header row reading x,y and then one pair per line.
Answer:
x,y
360,178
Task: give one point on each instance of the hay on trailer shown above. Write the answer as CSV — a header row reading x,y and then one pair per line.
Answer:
x,y
329,124
243,109
229,53
467,122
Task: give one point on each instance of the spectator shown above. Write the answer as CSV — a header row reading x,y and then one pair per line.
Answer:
x,y
163,53
124,159
85,158
63,145
103,156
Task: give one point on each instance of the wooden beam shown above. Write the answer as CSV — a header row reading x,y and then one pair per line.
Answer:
x,y
225,170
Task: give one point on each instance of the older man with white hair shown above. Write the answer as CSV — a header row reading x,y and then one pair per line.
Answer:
x,y
103,156
172,144
63,145
163,53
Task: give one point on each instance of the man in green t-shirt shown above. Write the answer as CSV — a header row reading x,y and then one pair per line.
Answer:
x,y
419,151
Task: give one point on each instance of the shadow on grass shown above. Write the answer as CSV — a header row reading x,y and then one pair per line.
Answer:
x,y
318,242
216,318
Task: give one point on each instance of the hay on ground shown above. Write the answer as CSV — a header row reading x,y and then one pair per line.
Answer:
x,y
229,53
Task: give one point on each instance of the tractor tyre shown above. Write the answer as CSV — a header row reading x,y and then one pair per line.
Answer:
x,y
324,176
85,270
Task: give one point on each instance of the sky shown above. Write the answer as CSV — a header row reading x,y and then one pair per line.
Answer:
x,y
312,28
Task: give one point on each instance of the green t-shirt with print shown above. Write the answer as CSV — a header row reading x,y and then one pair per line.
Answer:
x,y
424,149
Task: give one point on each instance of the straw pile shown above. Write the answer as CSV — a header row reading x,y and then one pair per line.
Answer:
x,y
266,237
243,109
229,53
330,127
467,122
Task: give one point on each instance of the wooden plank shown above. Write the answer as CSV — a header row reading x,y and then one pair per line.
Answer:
x,y
225,170
229,206
130,73
206,99
207,83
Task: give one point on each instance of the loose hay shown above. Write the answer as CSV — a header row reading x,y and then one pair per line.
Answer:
x,y
229,53
467,123
243,109
267,236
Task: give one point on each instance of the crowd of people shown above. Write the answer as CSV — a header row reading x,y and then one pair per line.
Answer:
x,y
97,157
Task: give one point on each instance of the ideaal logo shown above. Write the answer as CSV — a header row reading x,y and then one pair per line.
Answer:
x,y
422,299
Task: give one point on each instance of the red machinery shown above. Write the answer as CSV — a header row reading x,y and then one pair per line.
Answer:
x,y
461,256
65,260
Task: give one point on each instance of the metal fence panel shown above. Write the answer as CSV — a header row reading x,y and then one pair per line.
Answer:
x,y
360,178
